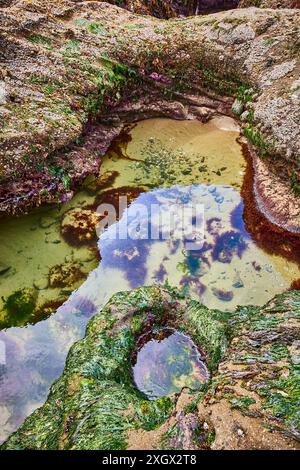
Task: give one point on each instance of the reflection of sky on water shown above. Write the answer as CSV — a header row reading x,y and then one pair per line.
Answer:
x,y
228,270
166,365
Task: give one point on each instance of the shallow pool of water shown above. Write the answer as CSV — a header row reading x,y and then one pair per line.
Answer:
x,y
155,153
192,163
168,362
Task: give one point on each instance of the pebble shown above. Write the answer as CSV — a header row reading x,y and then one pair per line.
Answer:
x,y
4,415
52,238
4,268
83,257
3,93
46,222
41,284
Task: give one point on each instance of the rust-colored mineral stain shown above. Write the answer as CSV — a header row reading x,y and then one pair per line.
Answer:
x,y
269,237
168,362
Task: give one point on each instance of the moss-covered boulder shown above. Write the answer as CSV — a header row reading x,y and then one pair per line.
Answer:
x,y
251,400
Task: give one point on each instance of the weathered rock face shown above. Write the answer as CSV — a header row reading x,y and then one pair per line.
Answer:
x,y
270,3
171,8
251,401
66,63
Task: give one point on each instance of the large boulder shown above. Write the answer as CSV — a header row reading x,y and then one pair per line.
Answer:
x,y
250,402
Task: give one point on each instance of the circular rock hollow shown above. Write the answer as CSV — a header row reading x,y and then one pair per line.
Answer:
x,y
167,362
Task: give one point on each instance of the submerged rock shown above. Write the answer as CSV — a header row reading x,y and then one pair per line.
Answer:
x,y
20,305
252,401
79,226
238,107
4,268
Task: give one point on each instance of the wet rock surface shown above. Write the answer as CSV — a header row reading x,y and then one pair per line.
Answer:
x,y
251,402
249,54
270,3
73,76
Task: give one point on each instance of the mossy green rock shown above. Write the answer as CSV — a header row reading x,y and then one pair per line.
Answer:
x,y
95,402
253,357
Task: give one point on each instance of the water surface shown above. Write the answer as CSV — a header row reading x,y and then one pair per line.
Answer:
x,y
167,363
189,162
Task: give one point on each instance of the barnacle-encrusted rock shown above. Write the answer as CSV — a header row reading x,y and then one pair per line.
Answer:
x,y
251,402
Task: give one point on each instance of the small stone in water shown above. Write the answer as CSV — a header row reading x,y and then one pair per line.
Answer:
x,y
225,296
4,268
41,284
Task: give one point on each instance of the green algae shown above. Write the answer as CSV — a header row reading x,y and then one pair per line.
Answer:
x,y
95,403
207,328
20,305
269,333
